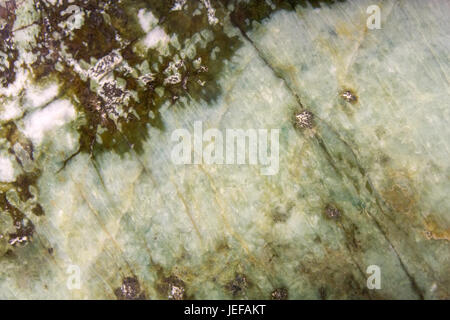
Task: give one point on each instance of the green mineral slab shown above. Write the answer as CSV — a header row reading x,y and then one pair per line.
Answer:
x,y
224,149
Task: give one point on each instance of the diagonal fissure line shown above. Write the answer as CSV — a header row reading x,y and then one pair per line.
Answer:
x,y
412,280
188,212
266,62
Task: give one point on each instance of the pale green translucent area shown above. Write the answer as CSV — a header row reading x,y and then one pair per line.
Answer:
x,y
383,161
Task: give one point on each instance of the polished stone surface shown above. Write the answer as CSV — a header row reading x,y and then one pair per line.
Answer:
x,y
91,92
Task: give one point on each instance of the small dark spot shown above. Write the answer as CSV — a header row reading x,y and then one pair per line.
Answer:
x,y
37,210
130,290
349,96
281,213
332,212
384,159
323,293
304,119
279,294
369,187
23,183
50,251
10,254
237,285
352,235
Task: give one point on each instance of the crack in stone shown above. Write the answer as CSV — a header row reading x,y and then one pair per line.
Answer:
x,y
330,158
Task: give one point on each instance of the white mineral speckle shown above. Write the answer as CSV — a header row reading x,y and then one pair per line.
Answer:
x,y
37,97
76,19
7,172
147,20
10,111
178,5
156,36
51,117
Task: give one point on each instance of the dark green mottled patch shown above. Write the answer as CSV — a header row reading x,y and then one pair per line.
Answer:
x,y
7,71
24,228
105,20
245,13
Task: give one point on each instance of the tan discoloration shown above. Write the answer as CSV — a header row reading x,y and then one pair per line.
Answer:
x,y
400,192
335,274
434,231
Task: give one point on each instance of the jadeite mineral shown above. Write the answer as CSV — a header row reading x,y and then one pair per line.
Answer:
x,y
92,205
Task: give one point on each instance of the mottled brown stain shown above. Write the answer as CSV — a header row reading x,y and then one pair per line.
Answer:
x,y
400,198
352,236
23,184
400,193
7,72
435,230
24,227
344,30
279,294
14,136
222,246
335,276
38,210
281,213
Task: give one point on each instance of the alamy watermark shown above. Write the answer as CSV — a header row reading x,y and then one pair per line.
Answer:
x,y
234,146
74,279
374,20
374,280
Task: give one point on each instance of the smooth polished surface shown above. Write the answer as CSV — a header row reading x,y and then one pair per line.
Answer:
x,y
93,90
